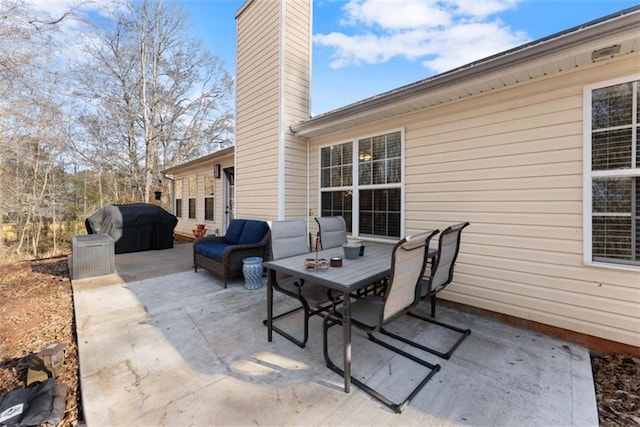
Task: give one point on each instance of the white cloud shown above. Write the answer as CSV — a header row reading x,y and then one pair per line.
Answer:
x,y
465,43
444,34
396,14
482,8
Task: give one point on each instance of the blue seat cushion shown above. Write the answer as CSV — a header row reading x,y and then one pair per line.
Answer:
x,y
211,250
234,231
253,231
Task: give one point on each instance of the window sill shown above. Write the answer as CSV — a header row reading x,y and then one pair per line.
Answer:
x,y
632,268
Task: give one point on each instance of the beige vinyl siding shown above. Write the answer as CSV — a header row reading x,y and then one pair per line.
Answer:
x,y
296,104
185,224
257,104
510,163
297,61
268,100
295,179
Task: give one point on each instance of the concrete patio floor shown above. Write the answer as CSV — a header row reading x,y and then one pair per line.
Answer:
x,y
160,345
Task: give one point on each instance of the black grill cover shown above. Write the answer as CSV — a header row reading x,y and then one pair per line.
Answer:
x,y
134,227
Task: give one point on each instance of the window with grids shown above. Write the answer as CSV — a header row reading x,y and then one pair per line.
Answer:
x,y
192,197
208,196
362,181
178,205
615,173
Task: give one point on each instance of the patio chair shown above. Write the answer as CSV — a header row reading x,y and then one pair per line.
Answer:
x,y
440,276
372,312
332,231
289,238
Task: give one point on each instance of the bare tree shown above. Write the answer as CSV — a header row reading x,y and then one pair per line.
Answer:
x,y
155,96
30,143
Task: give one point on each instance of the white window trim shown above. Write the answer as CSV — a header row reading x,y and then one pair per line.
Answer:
x,y
587,175
355,226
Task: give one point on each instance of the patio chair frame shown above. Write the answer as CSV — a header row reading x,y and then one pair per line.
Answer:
x,y
410,243
435,283
307,309
332,231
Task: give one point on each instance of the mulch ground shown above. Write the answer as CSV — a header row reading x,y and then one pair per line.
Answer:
x,y
36,308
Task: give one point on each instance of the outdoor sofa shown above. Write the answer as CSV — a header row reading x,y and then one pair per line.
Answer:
x,y
223,255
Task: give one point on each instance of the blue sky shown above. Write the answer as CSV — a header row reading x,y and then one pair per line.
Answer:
x,y
362,48
365,47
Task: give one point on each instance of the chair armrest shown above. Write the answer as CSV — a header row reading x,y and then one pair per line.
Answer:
x,y
241,248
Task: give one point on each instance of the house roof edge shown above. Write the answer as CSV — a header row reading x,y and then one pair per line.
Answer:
x,y
611,24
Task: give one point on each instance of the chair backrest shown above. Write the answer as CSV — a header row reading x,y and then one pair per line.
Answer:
x,y
445,260
288,238
333,231
408,263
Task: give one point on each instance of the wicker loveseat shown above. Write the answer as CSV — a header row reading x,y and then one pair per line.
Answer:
x,y
223,255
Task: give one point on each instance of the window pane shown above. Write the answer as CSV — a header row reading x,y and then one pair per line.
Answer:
x,y
178,211
380,223
611,196
337,203
178,189
192,208
611,237
366,222
336,177
380,200
394,225
336,166
379,172
366,200
611,150
325,178
208,184
380,212
325,157
347,153
394,200
638,104
379,148
192,186
365,174
612,106
347,175
637,144
393,145
364,150
208,195
336,155
393,171
208,209
614,212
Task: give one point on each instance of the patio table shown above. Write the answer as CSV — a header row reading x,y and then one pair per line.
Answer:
x,y
354,274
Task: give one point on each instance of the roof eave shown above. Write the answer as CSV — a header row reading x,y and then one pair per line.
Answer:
x,y
200,160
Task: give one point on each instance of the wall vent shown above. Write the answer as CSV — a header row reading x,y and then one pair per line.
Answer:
x,y
605,52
